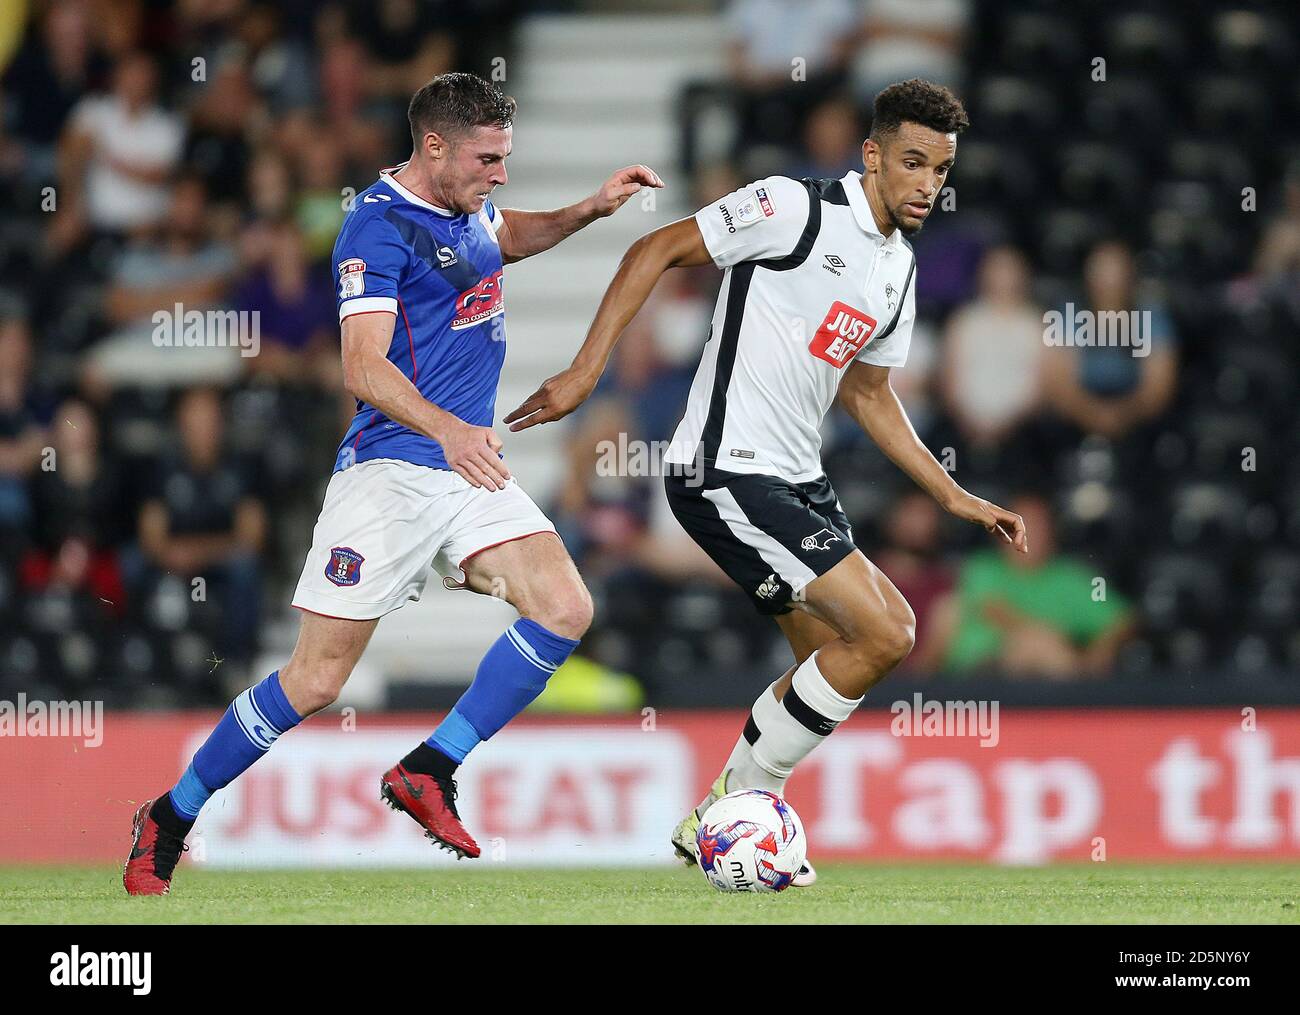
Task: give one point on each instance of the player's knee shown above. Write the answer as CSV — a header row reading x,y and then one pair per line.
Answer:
x,y
900,633
884,642
567,612
311,689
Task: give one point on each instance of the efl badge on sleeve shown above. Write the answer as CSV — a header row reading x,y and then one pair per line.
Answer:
x,y
352,278
344,567
756,207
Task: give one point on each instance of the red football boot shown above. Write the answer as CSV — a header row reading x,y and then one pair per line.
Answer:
x,y
432,803
154,855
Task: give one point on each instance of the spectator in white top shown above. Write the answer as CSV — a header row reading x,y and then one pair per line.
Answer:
x,y
910,39
784,58
765,36
118,153
993,352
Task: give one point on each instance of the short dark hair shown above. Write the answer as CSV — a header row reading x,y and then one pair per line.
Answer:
x,y
452,105
917,101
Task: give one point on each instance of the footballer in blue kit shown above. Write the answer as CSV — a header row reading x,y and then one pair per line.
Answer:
x,y
419,475
439,274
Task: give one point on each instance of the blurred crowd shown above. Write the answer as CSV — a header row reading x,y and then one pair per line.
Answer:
x,y
156,153
193,156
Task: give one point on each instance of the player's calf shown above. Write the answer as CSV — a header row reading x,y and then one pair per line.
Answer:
x,y
876,627
540,581
324,656
254,721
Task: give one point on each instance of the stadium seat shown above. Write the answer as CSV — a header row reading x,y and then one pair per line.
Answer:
x,y
1095,173
1016,108
1230,106
1112,109
1274,603
1181,589
1247,41
1065,234
1218,163
1034,40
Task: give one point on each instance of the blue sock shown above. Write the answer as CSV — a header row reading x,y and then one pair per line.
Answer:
x,y
513,672
252,723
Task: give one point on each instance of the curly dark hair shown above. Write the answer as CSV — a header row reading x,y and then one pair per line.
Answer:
x,y
917,101
452,105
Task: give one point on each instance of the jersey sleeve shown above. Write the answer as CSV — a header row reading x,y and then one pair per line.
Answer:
x,y
369,258
764,219
492,215
891,350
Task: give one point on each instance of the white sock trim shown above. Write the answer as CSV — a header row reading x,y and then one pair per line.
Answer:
x,y
817,694
769,716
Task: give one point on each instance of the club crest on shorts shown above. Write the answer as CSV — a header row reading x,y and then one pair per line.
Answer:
x,y
819,540
344,567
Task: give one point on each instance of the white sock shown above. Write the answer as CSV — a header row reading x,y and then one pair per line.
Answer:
x,y
789,729
777,736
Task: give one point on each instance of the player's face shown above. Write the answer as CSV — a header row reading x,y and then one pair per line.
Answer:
x,y
476,166
911,168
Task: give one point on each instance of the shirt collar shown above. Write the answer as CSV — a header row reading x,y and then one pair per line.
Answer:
x,y
852,181
386,175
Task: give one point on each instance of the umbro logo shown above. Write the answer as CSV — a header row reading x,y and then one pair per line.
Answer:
x,y
375,198
834,263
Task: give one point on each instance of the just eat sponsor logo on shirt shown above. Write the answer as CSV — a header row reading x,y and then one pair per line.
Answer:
x,y
841,335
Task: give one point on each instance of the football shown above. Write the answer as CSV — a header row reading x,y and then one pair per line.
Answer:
x,y
750,841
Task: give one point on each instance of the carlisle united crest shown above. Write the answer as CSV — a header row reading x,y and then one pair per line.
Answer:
x,y
344,567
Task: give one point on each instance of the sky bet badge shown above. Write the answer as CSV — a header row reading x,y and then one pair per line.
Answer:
x,y
755,207
352,278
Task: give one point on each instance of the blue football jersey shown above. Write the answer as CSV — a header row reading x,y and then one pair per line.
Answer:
x,y
439,273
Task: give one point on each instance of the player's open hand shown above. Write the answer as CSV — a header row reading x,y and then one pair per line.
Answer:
x,y
615,191
556,398
471,451
1007,524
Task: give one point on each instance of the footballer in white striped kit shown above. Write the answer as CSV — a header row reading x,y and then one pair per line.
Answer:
x,y
817,302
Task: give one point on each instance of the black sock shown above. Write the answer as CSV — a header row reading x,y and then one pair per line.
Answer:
x,y
165,814
429,761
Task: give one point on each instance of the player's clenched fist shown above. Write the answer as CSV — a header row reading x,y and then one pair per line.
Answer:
x,y
618,188
556,398
472,452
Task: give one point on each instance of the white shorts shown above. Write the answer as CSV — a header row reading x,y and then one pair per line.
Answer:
x,y
385,521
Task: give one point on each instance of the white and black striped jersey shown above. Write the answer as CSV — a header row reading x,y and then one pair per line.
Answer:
x,y
811,286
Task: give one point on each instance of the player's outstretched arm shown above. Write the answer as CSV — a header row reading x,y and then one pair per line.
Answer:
x,y
371,376
525,233
679,244
869,398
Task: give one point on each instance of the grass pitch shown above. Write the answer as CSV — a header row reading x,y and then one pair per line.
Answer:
x,y
845,893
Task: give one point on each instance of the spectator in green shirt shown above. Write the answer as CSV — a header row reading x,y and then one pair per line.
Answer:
x,y
1035,614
